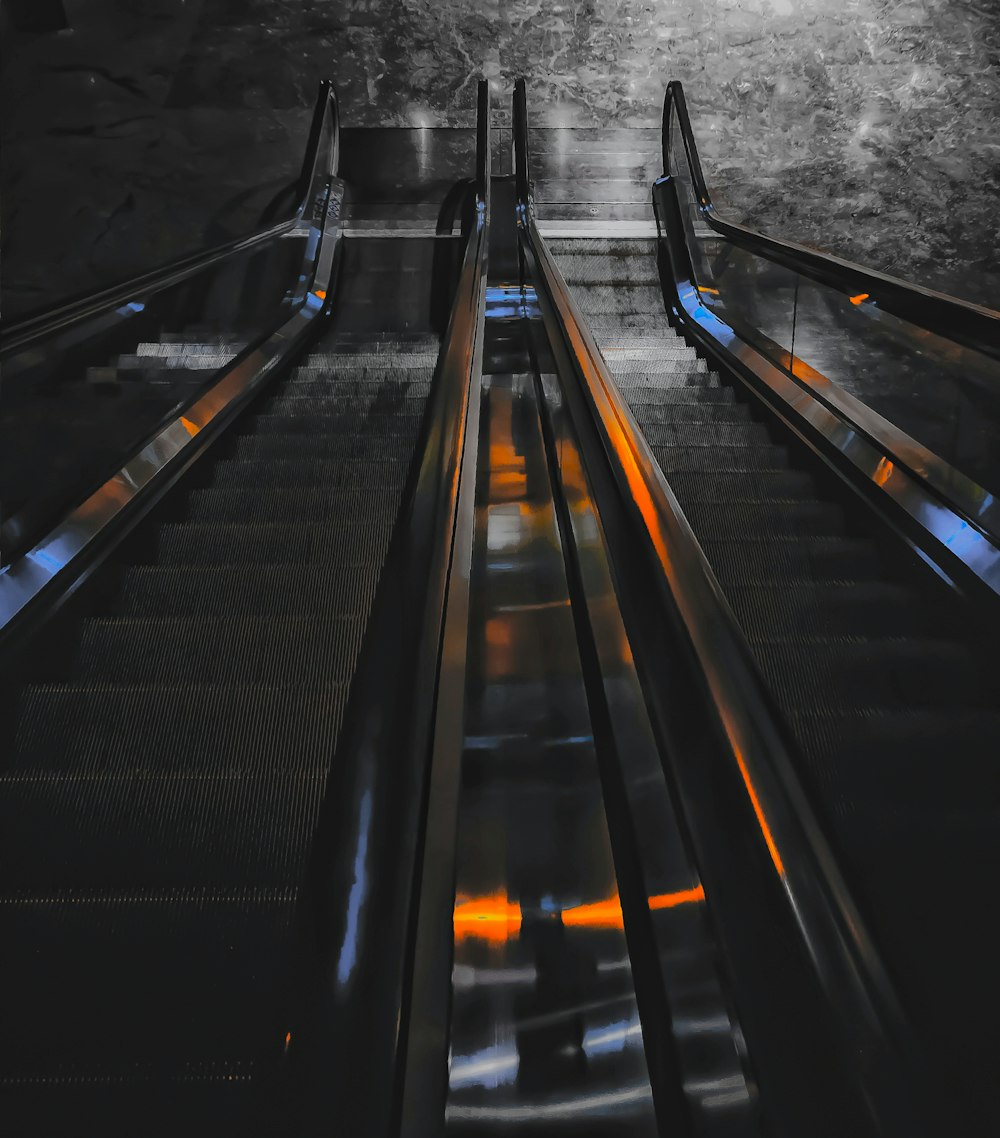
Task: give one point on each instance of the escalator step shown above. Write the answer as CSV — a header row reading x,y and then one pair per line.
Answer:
x,y
647,398
825,609
309,472
362,540
132,1001
725,434
358,379
841,672
719,520
701,412
390,361
712,459
83,729
895,755
779,561
746,486
663,373
156,829
647,353
290,504
604,300
582,270
377,447
328,400
608,327
238,589
368,423
233,651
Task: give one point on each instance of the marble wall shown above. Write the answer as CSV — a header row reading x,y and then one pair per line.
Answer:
x,y
866,127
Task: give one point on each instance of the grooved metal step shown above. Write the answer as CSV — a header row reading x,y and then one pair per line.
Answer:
x,y
283,504
158,828
370,423
317,649
85,728
839,671
362,540
819,608
766,560
177,1012
238,589
712,458
655,399
745,486
890,751
722,520
703,413
311,472
746,434
390,442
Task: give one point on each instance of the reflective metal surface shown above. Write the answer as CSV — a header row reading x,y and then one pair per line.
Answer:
x,y
959,320
841,350
845,959
708,1061
369,1007
544,1025
959,516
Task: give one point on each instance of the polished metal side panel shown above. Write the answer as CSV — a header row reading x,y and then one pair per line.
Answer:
x,y
713,1086
545,1033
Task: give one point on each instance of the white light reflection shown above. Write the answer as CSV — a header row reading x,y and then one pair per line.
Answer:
x,y
608,1102
349,949
505,528
491,1067
464,977
614,1037
718,1093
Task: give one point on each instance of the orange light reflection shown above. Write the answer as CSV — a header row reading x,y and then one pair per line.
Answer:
x,y
496,919
491,918
681,897
883,472
599,915
643,499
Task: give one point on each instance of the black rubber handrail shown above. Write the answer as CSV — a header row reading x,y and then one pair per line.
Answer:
x,y
758,747
961,321
46,551
363,880
28,329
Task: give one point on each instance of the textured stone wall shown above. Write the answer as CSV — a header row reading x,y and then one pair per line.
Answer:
x,y
867,127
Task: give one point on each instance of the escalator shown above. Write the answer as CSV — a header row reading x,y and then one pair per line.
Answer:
x,y
482,700
179,753
873,669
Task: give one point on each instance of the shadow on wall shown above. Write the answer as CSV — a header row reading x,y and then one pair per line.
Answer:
x,y
146,128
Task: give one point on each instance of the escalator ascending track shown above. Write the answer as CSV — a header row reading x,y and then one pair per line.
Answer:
x,y
163,784
888,699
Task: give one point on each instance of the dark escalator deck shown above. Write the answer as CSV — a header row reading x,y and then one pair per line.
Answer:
x,y
163,786
893,713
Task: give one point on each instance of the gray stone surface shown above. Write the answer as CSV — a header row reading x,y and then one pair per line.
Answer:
x,y
866,127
